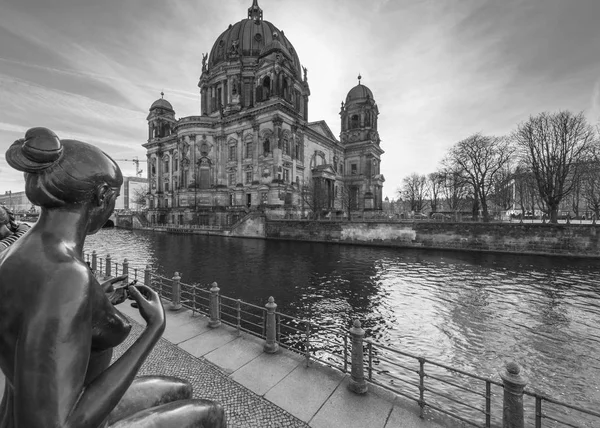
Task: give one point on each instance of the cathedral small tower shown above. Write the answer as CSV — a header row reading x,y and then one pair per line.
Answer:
x,y
161,119
361,148
359,114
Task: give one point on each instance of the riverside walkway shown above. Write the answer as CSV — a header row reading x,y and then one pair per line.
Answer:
x,y
267,390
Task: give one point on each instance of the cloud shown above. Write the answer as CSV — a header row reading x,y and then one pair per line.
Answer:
x,y
439,70
595,103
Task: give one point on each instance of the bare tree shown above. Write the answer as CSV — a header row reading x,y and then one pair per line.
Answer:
x,y
502,191
526,194
347,196
316,197
590,181
454,189
480,160
414,189
138,197
554,147
435,184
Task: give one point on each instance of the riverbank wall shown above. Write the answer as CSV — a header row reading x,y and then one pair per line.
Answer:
x,y
522,238
576,240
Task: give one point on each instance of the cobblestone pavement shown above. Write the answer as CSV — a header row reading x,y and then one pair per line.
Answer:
x,y
243,407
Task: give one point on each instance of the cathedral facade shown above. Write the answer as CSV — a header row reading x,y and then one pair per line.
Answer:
x,y
252,146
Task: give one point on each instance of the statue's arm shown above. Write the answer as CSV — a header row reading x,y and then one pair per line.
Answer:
x,y
53,354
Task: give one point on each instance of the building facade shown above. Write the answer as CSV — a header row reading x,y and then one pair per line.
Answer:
x,y
17,202
252,146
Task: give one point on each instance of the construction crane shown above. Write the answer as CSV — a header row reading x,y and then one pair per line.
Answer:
x,y
136,162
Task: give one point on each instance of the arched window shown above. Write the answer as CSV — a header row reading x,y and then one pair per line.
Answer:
x,y
249,151
286,94
266,92
266,146
354,121
204,177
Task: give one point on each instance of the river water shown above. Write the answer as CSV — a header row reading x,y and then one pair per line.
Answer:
x,y
473,311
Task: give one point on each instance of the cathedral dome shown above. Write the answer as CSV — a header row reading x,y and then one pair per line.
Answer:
x,y
251,38
359,93
161,103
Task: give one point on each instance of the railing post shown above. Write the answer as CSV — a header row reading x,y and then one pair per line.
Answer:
x,y
108,260
421,401
125,267
176,293
357,381
514,384
94,261
307,344
239,316
148,276
271,345
215,313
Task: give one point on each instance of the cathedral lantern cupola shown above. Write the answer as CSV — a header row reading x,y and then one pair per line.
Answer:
x,y
161,119
255,12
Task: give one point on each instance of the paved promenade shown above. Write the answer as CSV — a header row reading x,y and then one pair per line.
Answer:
x,y
266,390
269,390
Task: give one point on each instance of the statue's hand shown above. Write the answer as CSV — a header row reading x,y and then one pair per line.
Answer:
x,y
107,286
149,304
118,294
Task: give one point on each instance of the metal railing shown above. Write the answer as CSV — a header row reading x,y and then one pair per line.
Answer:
x,y
174,227
470,398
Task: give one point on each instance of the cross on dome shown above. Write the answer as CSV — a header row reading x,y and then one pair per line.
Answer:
x,y
359,77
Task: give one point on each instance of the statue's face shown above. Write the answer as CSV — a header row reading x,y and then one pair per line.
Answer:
x,y
102,213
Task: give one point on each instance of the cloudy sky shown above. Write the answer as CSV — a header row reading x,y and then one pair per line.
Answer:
x,y
440,70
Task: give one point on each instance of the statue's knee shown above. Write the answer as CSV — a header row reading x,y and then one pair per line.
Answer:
x,y
182,389
218,413
211,413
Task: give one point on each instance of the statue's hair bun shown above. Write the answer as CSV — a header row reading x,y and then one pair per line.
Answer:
x,y
40,149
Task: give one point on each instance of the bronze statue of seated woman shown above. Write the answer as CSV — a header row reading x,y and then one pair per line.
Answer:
x,y
58,327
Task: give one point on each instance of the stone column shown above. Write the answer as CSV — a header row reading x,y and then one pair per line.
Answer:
x,y
192,139
159,172
239,156
176,293
204,98
357,381
171,184
514,384
215,313
271,346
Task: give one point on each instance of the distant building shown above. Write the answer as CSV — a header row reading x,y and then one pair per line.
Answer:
x,y
133,194
252,146
17,202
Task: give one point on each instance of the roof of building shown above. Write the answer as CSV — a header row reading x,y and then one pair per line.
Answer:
x,y
359,93
161,103
248,38
321,127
